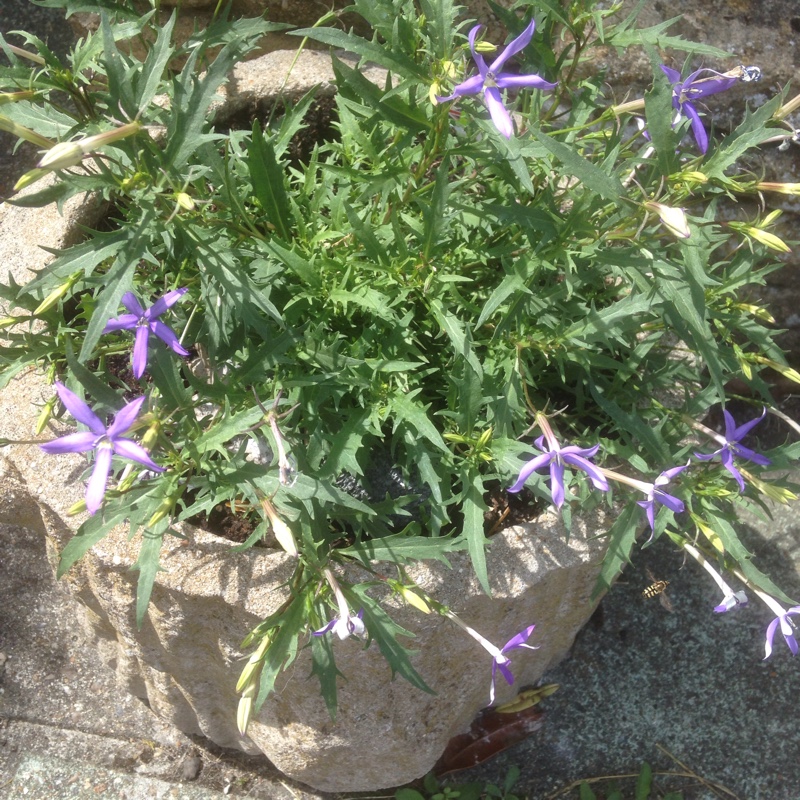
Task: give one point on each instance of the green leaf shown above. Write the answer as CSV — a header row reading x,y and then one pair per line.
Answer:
x,y
644,783
324,667
231,425
621,538
385,631
369,51
458,336
592,176
659,113
268,179
749,134
512,284
410,412
149,81
148,566
656,37
401,548
474,508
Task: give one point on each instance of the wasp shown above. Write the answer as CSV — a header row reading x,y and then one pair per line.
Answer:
x,y
658,588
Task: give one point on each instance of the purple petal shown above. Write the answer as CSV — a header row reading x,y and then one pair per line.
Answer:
x,y
730,426
125,418
325,629
519,640
707,456
750,455
164,302
500,117
528,469
513,47
672,74
505,671
649,507
727,461
574,450
71,443
478,58
742,431
699,131
596,477
79,409
132,304
672,503
140,350
668,474
506,81
771,628
472,85
695,87
122,322
96,489
167,335
557,483
135,452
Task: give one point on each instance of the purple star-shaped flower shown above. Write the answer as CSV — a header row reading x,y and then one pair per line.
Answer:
x,y
501,661
787,629
699,84
105,441
556,457
144,322
490,80
731,447
656,494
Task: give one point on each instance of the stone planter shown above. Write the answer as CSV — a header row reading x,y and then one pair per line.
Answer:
x,y
185,659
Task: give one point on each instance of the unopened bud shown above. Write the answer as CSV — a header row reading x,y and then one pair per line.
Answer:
x,y
69,154
413,599
780,188
485,47
184,201
77,508
22,132
56,295
283,533
15,97
45,414
767,239
674,219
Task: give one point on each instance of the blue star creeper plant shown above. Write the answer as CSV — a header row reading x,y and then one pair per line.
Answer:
x,y
382,309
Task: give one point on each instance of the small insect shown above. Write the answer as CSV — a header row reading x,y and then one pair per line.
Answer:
x,y
658,588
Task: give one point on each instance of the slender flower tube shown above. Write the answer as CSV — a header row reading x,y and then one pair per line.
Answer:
x,y
654,491
731,447
556,456
730,598
700,84
346,624
500,661
490,80
145,322
104,441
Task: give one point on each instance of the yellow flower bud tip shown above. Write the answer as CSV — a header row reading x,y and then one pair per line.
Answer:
x,y
184,201
6,322
780,188
15,97
694,177
78,508
674,219
767,239
27,134
449,69
485,47
53,297
413,599
435,90
243,713
30,178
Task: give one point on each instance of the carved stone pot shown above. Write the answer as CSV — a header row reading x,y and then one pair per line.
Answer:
x,y
185,660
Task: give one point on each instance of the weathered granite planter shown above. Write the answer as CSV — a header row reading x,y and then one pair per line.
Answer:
x,y
185,659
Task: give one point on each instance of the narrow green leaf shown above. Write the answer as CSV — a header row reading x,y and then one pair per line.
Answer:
x,y
148,566
644,783
268,182
401,548
594,178
474,508
369,51
324,667
621,538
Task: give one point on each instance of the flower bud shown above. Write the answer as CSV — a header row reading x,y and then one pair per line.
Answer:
x,y
15,97
781,188
767,239
674,219
485,47
69,154
56,295
184,201
22,132
283,533
45,414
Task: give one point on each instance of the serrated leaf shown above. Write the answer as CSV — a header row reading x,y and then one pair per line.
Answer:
x,y
592,176
621,538
474,508
401,548
369,51
148,566
324,667
268,178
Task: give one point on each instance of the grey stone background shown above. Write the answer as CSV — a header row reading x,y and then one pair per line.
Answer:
x,y
638,677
